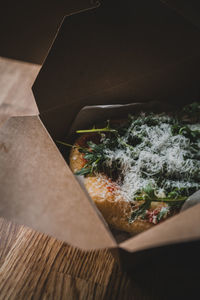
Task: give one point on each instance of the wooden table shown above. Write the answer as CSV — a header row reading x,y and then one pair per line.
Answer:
x,y
35,266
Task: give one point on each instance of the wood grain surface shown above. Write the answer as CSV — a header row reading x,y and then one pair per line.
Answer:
x,y
36,266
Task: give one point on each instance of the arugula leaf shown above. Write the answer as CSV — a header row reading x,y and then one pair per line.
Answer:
x,y
142,208
132,138
162,213
84,171
149,191
192,108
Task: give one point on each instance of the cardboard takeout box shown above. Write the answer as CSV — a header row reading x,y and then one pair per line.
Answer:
x,y
118,52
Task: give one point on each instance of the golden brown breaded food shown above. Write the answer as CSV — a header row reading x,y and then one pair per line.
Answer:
x,y
105,194
114,208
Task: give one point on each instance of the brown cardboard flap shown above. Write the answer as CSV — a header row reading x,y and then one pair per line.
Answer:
x,y
185,83
183,227
39,190
117,48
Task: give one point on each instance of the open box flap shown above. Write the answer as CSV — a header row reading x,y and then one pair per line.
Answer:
x,y
39,190
180,228
118,47
59,120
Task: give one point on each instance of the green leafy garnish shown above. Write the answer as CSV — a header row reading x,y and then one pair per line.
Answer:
x,y
162,213
162,149
191,109
140,211
94,156
149,192
84,171
148,195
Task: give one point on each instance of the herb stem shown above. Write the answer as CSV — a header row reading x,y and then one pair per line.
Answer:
x,y
69,145
65,144
162,199
96,130
125,144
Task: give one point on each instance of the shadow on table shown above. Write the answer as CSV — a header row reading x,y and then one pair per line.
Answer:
x,y
171,272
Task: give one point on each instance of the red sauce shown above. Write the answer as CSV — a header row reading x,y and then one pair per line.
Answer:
x,y
112,186
151,215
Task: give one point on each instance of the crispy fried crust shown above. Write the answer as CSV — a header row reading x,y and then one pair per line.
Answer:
x,y
76,160
104,193
115,209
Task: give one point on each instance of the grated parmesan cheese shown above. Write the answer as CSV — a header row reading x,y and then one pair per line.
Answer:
x,y
165,160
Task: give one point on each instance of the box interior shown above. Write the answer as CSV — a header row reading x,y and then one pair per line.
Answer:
x,y
120,52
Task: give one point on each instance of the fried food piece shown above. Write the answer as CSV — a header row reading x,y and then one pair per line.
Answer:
x,y
105,194
114,208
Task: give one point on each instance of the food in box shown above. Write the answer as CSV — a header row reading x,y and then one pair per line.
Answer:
x,y
119,53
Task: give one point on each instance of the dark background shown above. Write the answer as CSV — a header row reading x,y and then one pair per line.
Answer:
x,y
27,28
